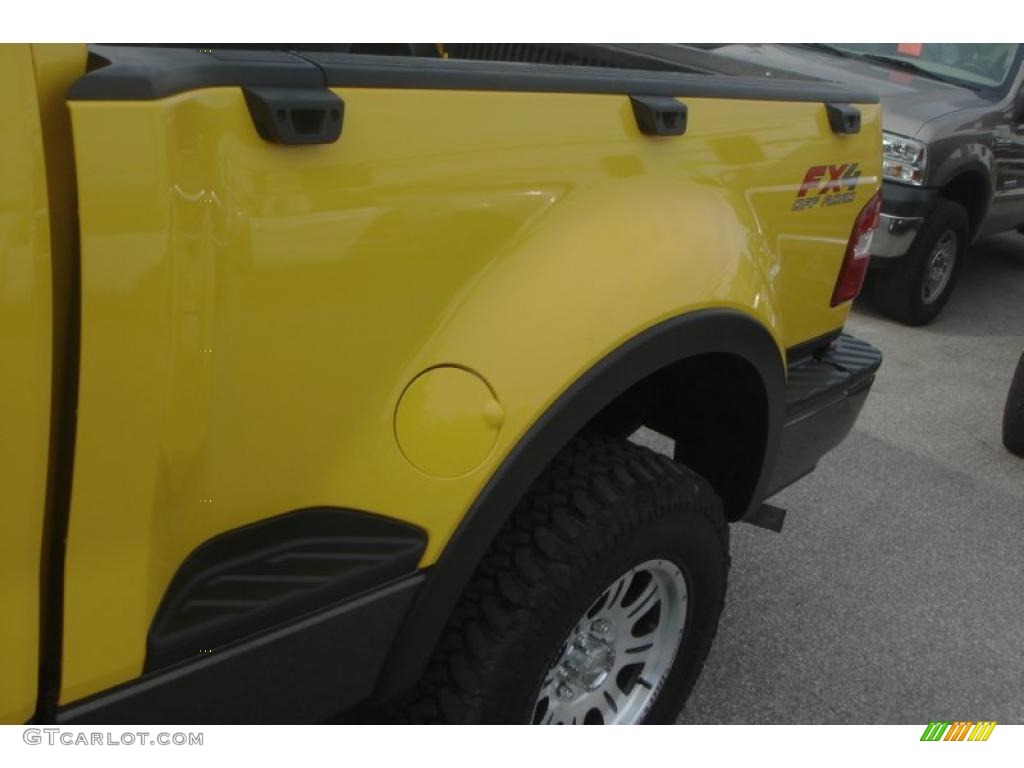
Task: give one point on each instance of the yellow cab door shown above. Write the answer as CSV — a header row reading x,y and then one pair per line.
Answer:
x,y
234,366
36,231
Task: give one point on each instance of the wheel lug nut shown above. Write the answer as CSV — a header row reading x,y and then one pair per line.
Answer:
x,y
565,691
600,628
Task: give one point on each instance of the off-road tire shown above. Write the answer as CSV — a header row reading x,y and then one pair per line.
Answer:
x,y
1013,416
602,507
898,287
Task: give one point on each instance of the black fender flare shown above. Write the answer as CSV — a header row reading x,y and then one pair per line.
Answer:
x,y
678,338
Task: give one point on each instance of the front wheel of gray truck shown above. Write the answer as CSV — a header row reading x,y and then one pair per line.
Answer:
x,y
597,603
916,288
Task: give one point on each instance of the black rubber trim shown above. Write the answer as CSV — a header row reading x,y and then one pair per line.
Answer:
x,y
302,672
370,72
570,54
254,577
907,201
655,57
700,58
141,73
824,396
706,331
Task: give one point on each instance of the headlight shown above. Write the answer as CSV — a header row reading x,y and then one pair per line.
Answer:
x,y
903,159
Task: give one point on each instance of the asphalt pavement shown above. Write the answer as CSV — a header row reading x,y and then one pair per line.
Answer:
x,y
895,593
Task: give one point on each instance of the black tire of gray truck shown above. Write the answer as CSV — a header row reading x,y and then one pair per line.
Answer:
x,y
1013,416
899,287
604,506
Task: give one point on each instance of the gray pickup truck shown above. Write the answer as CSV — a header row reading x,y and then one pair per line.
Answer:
x,y
953,116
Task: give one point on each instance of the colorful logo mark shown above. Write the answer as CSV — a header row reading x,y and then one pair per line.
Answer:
x,y
959,730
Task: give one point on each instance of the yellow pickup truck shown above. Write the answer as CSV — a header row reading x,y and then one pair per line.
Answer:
x,y
319,368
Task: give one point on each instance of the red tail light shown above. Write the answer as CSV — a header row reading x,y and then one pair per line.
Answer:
x,y
858,252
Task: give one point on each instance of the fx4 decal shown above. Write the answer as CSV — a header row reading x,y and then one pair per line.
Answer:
x,y
831,185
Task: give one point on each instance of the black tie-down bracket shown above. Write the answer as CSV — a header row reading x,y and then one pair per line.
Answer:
x,y
659,115
296,115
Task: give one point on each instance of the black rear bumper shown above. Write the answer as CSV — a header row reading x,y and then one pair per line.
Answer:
x,y
824,394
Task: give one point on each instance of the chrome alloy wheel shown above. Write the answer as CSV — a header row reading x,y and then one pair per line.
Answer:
x,y
618,655
939,267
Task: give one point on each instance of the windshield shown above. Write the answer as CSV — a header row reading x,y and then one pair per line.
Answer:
x,y
979,64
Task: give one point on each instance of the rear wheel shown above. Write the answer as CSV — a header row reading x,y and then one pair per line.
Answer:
x,y
917,287
618,654
597,603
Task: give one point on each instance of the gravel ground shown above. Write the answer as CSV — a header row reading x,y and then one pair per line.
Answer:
x,y
895,593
